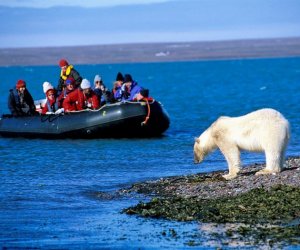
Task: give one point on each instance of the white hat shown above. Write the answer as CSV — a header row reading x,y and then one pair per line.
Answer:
x,y
85,84
47,86
97,78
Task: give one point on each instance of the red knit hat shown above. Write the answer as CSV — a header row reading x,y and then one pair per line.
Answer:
x,y
20,84
63,62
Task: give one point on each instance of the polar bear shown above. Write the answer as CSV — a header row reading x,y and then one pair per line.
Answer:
x,y
264,130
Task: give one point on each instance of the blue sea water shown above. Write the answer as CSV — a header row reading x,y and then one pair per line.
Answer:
x,y
55,193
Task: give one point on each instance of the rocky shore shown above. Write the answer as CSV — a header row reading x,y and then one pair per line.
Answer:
x,y
260,209
213,185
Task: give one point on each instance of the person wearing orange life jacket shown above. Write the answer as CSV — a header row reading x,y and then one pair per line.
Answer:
x,y
52,103
81,98
67,71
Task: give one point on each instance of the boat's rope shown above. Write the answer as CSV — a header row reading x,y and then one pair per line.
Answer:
x,y
148,114
108,105
50,117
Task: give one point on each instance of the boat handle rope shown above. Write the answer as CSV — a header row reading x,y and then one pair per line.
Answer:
x,y
50,118
148,114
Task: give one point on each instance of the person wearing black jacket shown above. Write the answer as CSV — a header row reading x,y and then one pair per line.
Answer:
x,y
67,71
20,101
101,91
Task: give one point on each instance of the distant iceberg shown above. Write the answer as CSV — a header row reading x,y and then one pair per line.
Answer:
x,y
162,53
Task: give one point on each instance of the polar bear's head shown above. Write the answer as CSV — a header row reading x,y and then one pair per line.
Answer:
x,y
199,152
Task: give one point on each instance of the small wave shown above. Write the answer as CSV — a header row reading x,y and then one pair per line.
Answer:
x,y
100,195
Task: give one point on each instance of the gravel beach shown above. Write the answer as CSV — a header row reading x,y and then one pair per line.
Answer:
x,y
213,185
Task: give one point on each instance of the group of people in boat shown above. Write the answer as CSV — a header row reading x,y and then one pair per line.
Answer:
x,y
73,93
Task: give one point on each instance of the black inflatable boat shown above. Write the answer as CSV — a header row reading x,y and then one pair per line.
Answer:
x,y
124,119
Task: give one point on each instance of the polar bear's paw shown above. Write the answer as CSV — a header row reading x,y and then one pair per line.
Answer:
x,y
264,171
229,176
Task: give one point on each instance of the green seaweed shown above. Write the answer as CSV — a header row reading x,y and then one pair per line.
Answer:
x,y
279,204
267,215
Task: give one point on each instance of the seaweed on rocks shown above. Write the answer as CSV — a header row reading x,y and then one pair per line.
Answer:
x,y
280,204
263,208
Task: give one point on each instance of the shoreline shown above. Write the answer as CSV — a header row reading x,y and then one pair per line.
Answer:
x,y
257,209
213,186
153,52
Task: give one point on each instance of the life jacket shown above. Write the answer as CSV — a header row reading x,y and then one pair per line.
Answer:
x,y
65,75
63,95
88,101
53,107
23,106
16,97
149,99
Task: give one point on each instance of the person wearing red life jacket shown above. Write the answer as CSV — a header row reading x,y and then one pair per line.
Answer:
x,y
52,103
81,98
69,87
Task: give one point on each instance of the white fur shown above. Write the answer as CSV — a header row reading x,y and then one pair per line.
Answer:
x,y
264,130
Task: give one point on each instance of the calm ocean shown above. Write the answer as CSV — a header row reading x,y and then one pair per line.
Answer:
x,y
53,192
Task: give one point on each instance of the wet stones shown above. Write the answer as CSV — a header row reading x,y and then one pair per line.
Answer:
x,y
267,206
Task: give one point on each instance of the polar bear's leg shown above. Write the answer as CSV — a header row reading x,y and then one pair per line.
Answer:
x,y
273,163
232,156
282,160
282,154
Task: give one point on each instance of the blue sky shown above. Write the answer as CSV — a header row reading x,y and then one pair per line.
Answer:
x,y
37,23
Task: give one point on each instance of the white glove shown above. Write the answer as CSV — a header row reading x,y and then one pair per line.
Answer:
x,y
123,87
59,111
49,113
